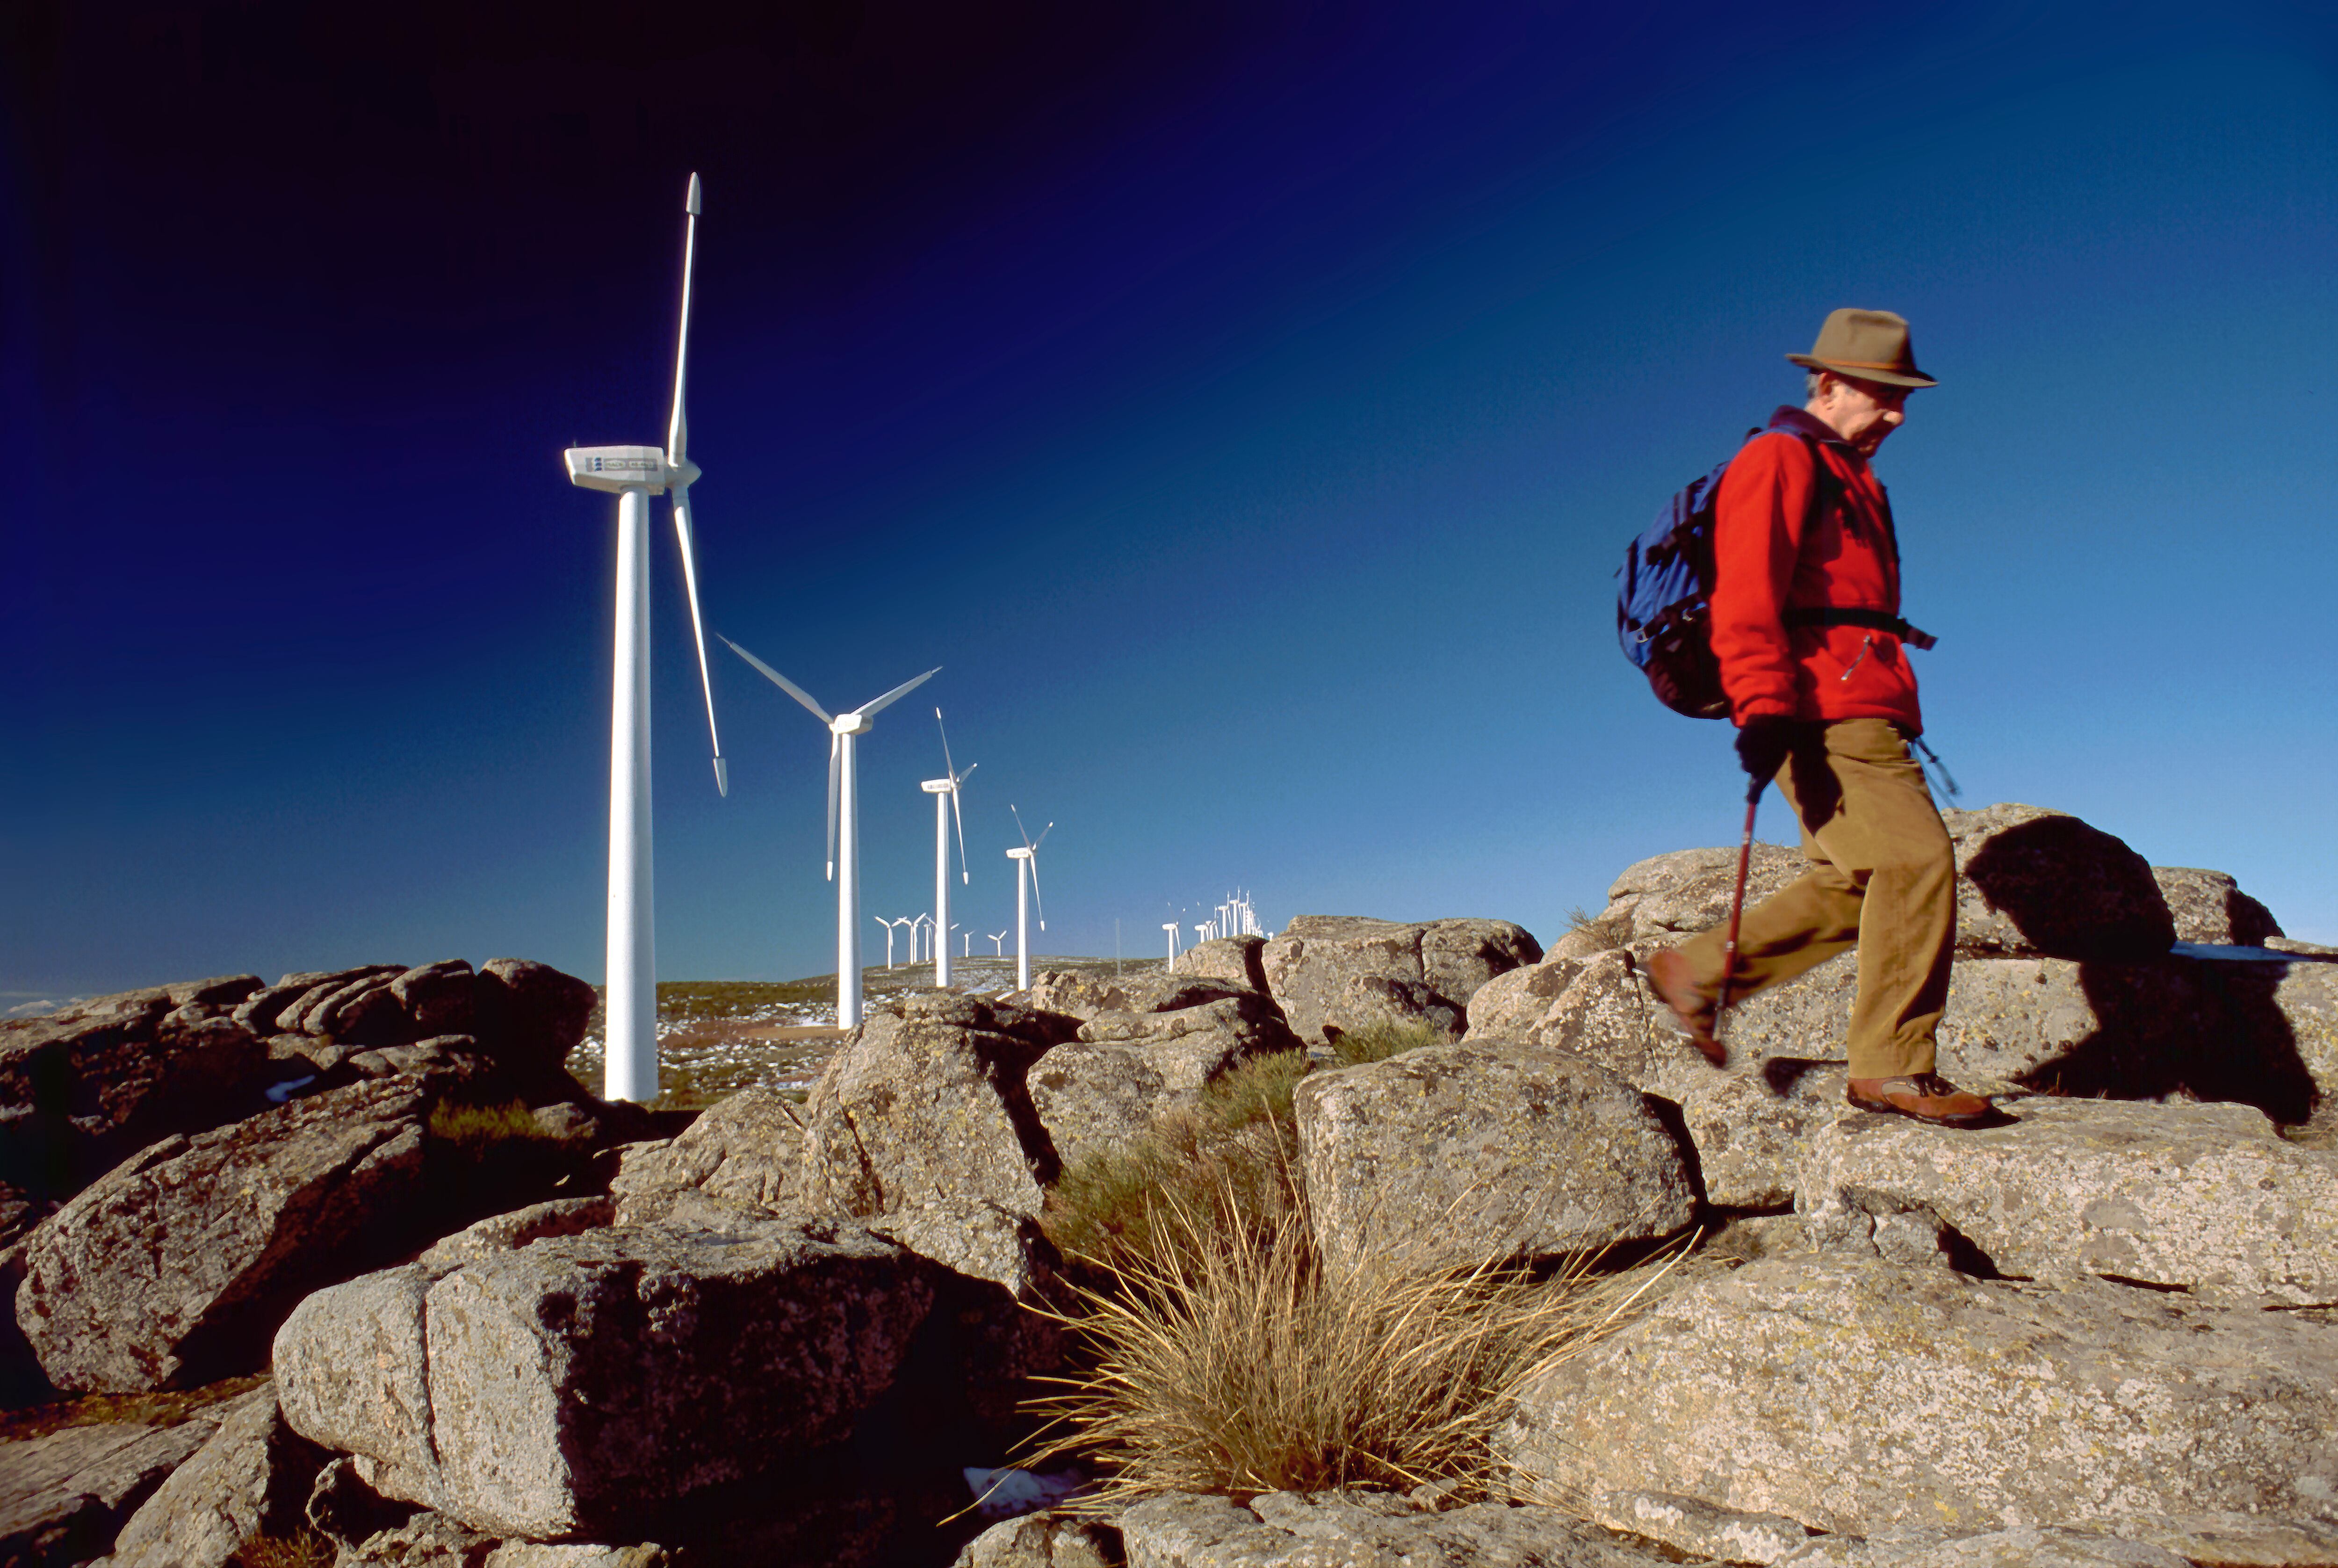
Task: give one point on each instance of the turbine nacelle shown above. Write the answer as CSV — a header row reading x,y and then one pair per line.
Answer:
x,y
938,786
859,724
618,468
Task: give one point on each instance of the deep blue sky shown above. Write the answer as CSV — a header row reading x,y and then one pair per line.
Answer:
x,y
1247,404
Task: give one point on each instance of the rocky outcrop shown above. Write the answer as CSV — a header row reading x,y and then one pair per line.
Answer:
x,y
745,1152
1045,1539
63,1496
435,1541
1127,1069
2208,906
1294,1530
1752,1127
1670,896
252,1476
175,1267
2032,882
2054,1546
1451,1154
1083,995
984,1340
82,1087
2260,1034
1311,966
2037,882
927,1102
1236,959
1855,1397
530,1015
1697,1528
2201,1198
578,1385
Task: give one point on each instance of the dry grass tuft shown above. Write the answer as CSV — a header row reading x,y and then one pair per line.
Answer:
x,y
1231,1360
165,1407
1231,1158
304,1548
1379,1040
477,1127
1610,932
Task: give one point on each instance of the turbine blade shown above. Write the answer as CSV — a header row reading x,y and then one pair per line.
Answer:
x,y
781,681
1035,902
871,710
1018,825
1041,838
948,766
964,875
834,741
677,433
698,628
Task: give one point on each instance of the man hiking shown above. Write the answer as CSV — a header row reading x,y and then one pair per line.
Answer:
x,y
1806,630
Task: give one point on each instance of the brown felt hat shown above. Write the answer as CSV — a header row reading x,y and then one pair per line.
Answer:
x,y
1867,345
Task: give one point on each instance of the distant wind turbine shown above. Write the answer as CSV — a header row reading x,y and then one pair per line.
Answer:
x,y
1027,893
843,821
945,787
1171,927
635,474
998,940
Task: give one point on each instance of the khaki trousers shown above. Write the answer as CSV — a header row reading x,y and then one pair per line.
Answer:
x,y
1883,878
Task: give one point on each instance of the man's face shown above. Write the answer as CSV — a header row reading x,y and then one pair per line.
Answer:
x,y
1861,412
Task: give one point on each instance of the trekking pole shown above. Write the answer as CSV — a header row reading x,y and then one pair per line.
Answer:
x,y
1736,907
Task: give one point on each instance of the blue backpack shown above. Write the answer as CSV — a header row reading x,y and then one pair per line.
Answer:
x,y
1663,596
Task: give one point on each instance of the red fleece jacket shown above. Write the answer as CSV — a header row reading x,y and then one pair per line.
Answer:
x,y
1770,555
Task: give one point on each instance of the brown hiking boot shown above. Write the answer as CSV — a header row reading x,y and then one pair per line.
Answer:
x,y
1668,977
1923,1096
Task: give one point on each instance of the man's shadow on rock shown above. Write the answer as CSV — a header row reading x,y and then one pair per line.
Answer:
x,y
2166,1023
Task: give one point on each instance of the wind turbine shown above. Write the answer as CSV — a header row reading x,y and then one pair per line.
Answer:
x,y
1026,892
634,473
922,933
941,788
1171,927
997,938
888,925
844,833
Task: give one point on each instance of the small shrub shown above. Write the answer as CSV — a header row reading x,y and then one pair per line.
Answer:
x,y
303,1548
1610,932
1384,1038
473,1128
164,1407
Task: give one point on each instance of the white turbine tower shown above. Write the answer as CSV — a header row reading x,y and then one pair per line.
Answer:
x,y
635,474
945,809
844,830
1026,892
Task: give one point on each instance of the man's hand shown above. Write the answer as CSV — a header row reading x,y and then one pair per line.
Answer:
x,y
1763,743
